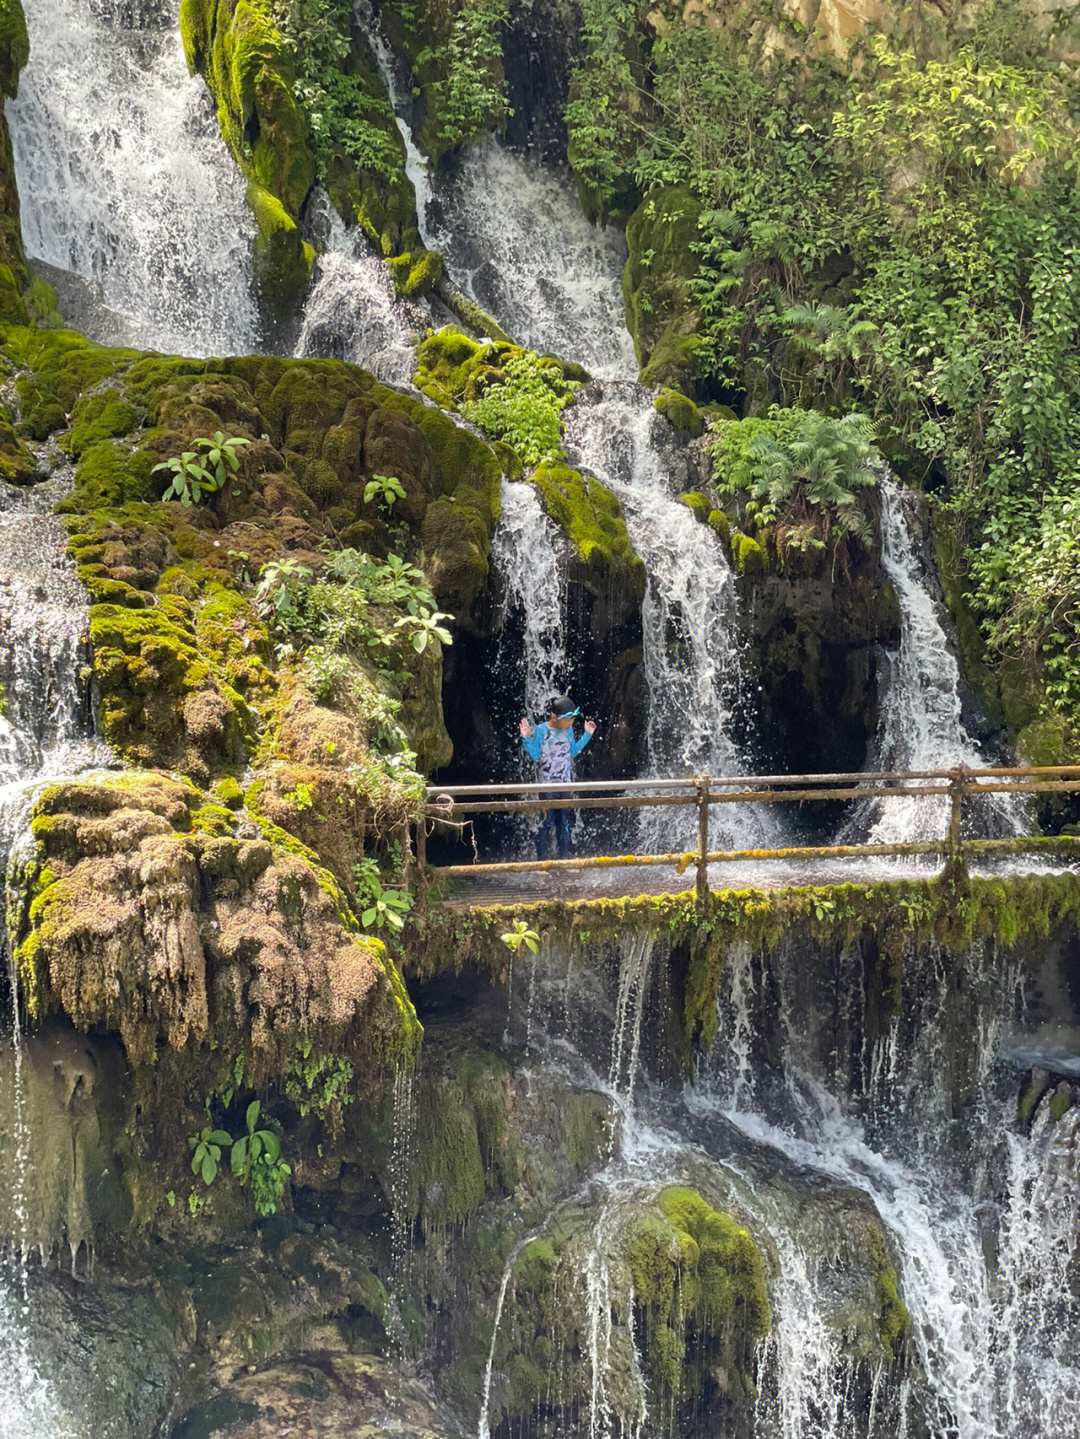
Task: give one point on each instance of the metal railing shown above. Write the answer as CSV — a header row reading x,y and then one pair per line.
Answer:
x,y
454,805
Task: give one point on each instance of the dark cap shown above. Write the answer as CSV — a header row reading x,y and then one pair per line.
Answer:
x,y
561,706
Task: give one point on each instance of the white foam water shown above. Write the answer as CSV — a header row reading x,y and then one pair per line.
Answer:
x,y
354,312
693,664
44,733
125,180
921,725
529,555
518,243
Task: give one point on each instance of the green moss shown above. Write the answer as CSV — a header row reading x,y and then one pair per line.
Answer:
x,y
1060,1101
14,46
42,413
228,791
592,518
894,1321
696,1270
696,502
109,475
101,415
660,313
250,69
283,259
416,273
17,464
721,523
682,414
747,553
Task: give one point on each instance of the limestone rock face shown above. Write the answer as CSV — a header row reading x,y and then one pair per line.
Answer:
x,y
150,921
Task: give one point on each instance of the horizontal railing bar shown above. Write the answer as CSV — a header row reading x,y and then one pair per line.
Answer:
x,y
687,859
970,776
574,801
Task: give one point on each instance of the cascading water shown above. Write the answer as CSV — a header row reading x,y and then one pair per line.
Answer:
x,y
692,662
125,181
517,241
996,1338
520,245
353,312
528,554
44,733
921,725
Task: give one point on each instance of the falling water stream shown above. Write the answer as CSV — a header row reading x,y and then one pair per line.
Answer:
x,y
125,181
44,734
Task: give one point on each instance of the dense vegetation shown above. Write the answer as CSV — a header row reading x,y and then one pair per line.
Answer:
x,y
895,232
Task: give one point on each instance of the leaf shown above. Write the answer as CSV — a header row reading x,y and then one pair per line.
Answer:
x,y
219,1137
252,1116
239,1155
271,1145
419,641
368,916
209,1169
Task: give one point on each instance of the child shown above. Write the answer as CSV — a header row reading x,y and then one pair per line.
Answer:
x,y
553,747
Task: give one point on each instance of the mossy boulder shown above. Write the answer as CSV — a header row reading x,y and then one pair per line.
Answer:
x,y
416,273
17,464
681,413
661,314
592,519
250,70
283,259
146,915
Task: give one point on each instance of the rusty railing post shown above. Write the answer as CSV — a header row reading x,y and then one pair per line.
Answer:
x,y
703,837
421,845
957,788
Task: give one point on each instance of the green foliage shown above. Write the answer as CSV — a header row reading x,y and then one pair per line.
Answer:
x,y
319,1083
257,1163
802,475
207,1146
203,470
467,97
379,908
387,488
520,935
342,112
522,406
301,797
254,1158
605,100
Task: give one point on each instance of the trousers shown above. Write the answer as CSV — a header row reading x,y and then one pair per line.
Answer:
x,y
559,821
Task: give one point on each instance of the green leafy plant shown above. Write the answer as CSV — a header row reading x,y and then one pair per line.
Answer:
x,y
424,626
318,1083
466,92
386,488
520,934
280,592
207,1146
523,407
802,475
256,1161
300,797
385,908
203,470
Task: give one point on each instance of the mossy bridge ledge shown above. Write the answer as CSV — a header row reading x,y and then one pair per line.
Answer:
x,y
450,812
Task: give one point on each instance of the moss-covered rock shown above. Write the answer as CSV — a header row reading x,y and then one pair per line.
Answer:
x,y
660,310
143,919
681,413
592,519
283,259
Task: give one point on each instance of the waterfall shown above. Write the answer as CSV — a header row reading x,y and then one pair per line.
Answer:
x,y
44,733
124,178
520,245
693,666
528,553
353,312
921,725
416,164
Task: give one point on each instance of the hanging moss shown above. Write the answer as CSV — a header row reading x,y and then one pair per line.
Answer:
x,y
14,46
592,519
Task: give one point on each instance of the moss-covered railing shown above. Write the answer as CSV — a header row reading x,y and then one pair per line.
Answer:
x,y
455,806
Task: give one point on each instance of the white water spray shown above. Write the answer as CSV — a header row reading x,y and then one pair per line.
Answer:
x,y
692,662
530,556
921,724
125,181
